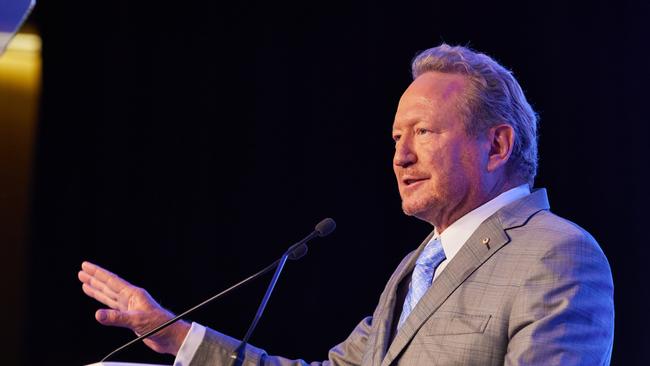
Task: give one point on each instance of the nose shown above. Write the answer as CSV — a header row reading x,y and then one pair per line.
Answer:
x,y
404,154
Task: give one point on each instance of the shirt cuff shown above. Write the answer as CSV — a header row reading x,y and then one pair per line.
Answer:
x,y
190,345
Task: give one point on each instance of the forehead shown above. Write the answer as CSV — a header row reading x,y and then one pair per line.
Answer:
x,y
431,95
440,85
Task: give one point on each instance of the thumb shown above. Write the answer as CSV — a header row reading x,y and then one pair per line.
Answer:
x,y
113,317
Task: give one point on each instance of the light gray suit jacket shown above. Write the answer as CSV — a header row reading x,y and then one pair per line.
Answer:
x,y
527,288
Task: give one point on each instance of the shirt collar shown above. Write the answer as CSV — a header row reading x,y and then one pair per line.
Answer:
x,y
459,232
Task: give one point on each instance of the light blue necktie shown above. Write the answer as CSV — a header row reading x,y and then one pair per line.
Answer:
x,y
425,267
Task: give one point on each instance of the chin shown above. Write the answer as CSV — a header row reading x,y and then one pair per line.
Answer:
x,y
417,209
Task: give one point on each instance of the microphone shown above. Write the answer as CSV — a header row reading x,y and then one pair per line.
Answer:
x,y
296,251
323,228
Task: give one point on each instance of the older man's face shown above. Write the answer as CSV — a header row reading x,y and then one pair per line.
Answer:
x,y
438,166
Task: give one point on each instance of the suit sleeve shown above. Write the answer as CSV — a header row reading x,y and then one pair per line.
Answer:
x,y
216,348
563,313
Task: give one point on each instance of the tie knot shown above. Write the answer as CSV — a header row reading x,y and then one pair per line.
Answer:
x,y
433,254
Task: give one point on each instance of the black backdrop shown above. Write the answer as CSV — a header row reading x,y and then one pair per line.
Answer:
x,y
185,145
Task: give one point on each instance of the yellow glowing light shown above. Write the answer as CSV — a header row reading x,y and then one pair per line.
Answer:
x,y
24,42
20,65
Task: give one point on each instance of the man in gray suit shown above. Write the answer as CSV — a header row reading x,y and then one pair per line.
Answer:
x,y
500,280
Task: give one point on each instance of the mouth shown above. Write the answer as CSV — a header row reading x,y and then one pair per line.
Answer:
x,y
409,182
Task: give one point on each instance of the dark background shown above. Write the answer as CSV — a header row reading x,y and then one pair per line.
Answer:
x,y
185,145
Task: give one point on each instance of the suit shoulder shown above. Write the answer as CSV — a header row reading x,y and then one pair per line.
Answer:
x,y
549,233
550,225
549,248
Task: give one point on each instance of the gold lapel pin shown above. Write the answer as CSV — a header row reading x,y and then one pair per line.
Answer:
x,y
486,242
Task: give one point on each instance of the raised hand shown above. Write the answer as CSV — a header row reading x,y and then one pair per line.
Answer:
x,y
131,307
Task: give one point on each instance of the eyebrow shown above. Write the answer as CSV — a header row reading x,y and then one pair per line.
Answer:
x,y
413,120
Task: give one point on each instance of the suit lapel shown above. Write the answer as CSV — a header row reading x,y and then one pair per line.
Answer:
x,y
470,257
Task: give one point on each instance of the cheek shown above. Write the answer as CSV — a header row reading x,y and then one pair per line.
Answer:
x,y
472,165
442,160
455,166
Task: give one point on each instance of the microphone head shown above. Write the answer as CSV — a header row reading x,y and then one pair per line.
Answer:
x,y
325,227
298,252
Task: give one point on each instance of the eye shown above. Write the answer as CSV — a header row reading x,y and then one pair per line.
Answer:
x,y
396,138
421,131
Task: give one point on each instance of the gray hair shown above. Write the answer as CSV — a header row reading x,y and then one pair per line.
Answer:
x,y
494,97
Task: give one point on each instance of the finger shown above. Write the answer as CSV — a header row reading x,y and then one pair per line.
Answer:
x,y
114,318
101,297
83,276
113,281
102,287
97,285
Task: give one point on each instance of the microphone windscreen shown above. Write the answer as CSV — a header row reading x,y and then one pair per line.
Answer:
x,y
298,253
325,227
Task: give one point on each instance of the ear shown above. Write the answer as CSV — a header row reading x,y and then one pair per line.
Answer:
x,y
502,140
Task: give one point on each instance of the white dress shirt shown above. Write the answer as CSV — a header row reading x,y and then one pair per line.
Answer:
x,y
452,239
